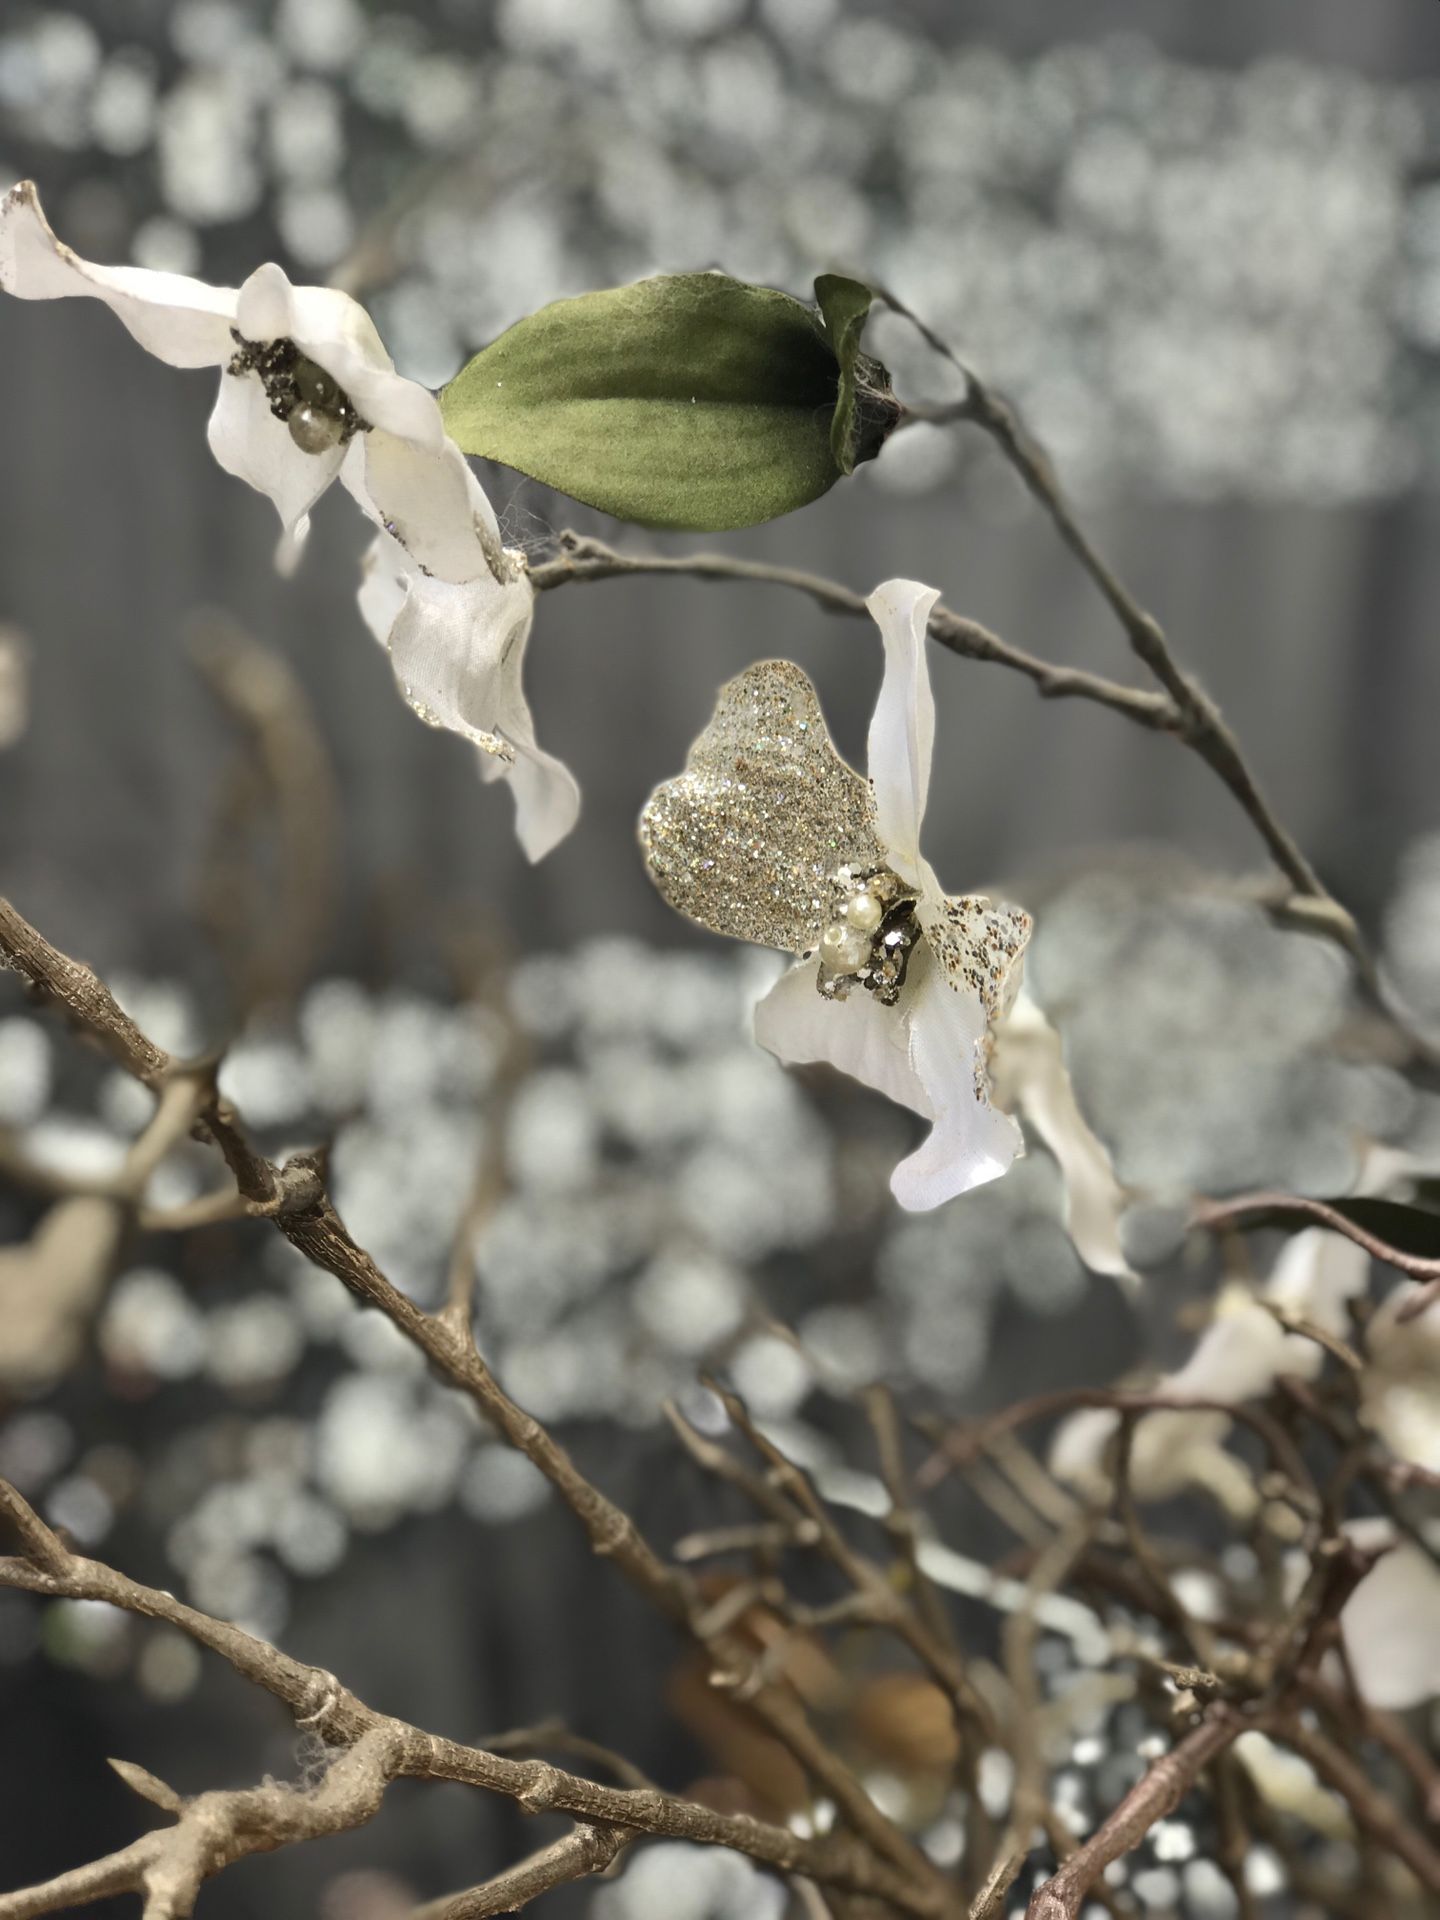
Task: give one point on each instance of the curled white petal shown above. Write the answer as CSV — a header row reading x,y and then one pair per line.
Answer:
x,y
970,1141
429,502
857,1035
180,320
902,729
924,1055
1030,1075
458,651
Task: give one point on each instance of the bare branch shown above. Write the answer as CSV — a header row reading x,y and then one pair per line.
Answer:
x,y
391,1748
1216,1214
1374,1810
1203,727
581,1852
968,1441
583,558
78,993
293,1197
1150,1799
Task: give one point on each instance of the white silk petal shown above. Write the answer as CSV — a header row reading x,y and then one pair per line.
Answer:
x,y
458,653
856,1035
179,320
248,441
1030,1075
429,502
1391,1629
902,729
970,1141
547,795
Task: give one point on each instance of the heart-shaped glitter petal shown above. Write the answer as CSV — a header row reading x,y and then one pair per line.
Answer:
x,y
747,840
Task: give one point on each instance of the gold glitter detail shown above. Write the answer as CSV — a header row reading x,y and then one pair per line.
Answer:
x,y
748,838
980,947
981,950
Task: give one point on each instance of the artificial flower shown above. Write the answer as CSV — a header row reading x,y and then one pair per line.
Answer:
x,y
1400,1384
1391,1623
1239,1357
769,836
307,395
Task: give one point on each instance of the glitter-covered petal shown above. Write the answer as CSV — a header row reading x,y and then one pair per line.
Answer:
x,y
902,729
746,839
970,1141
856,1035
980,947
179,320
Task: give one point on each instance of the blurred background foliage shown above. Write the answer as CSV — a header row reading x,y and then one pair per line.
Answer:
x,y
1200,245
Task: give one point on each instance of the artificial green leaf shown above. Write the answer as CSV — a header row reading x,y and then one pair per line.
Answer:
x,y
845,307
690,400
1412,1230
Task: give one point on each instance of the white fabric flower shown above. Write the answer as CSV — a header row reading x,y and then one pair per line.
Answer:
x,y
307,395
1239,1357
1400,1387
1391,1623
769,836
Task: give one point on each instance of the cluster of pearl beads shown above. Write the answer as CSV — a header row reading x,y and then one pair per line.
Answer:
x,y
870,937
316,410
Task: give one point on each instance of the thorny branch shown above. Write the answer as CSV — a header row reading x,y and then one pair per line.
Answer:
x,y
1271,1679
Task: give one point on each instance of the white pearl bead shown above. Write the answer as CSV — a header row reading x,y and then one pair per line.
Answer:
x,y
863,910
314,431
842,948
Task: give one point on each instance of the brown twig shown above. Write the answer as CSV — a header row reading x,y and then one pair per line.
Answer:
x,y
967,1442
392,1748
1202,726
1375,1811
584,558
294,1198
1154,1796
1218,1214
585,1850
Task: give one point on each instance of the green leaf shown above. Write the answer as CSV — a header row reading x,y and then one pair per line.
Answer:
x,y
1412,1230
845,307
691,400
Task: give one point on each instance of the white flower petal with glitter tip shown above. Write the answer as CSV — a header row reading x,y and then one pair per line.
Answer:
x,y
179,320
458,651
768,836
